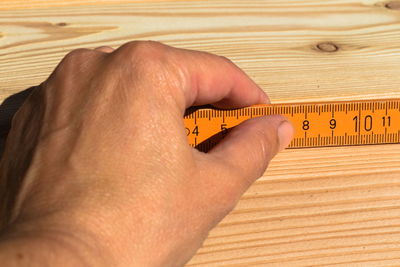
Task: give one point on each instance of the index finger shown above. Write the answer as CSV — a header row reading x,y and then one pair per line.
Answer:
x,y
218,81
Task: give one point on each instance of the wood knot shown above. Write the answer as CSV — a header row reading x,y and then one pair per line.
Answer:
x,y
327,47
395,5
61,24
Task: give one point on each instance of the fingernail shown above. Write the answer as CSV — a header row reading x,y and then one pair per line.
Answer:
x,y
285,134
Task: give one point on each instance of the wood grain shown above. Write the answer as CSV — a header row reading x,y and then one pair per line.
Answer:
x,y
313,207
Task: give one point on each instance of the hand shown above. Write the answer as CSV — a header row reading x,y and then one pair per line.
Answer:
x,y
97,170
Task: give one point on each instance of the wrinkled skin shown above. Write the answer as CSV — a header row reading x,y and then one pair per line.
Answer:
x,y
97,170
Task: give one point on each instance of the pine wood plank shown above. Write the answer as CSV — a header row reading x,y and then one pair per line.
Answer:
x,y
328,206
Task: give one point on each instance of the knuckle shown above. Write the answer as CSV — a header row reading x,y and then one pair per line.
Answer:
x,y
144,49
267,138
75,60
222,196
228,200
263,145
154,61
78,54
220,205
147,58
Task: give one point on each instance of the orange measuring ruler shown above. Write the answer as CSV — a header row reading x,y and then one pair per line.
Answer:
x,y
364,122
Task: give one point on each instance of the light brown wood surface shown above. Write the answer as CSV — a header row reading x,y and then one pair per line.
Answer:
x,y
313,207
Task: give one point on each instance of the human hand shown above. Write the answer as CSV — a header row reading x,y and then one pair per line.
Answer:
x,y
97,168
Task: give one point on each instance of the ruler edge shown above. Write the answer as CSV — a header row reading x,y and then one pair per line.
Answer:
x,y
194,109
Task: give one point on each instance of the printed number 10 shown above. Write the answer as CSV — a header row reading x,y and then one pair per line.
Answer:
x,y
367,123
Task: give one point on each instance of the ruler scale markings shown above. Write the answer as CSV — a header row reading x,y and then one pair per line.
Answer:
x,y
359,123
385,135
316,124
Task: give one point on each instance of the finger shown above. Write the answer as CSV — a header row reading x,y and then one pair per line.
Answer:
x,y
244,154
217,80
105,49
204,78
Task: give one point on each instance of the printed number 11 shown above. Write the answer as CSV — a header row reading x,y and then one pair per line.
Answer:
x,y
386,120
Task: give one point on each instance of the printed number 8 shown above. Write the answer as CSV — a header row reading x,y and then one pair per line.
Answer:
x,y
306,125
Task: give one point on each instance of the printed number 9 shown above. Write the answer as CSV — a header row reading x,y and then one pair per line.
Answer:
x,y
332,122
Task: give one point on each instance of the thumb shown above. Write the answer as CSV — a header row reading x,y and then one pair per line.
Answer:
x,y
245,152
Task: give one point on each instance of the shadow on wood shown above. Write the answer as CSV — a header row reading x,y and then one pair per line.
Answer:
x,y
7,110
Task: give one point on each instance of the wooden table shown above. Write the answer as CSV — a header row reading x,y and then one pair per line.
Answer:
x,y
313,206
